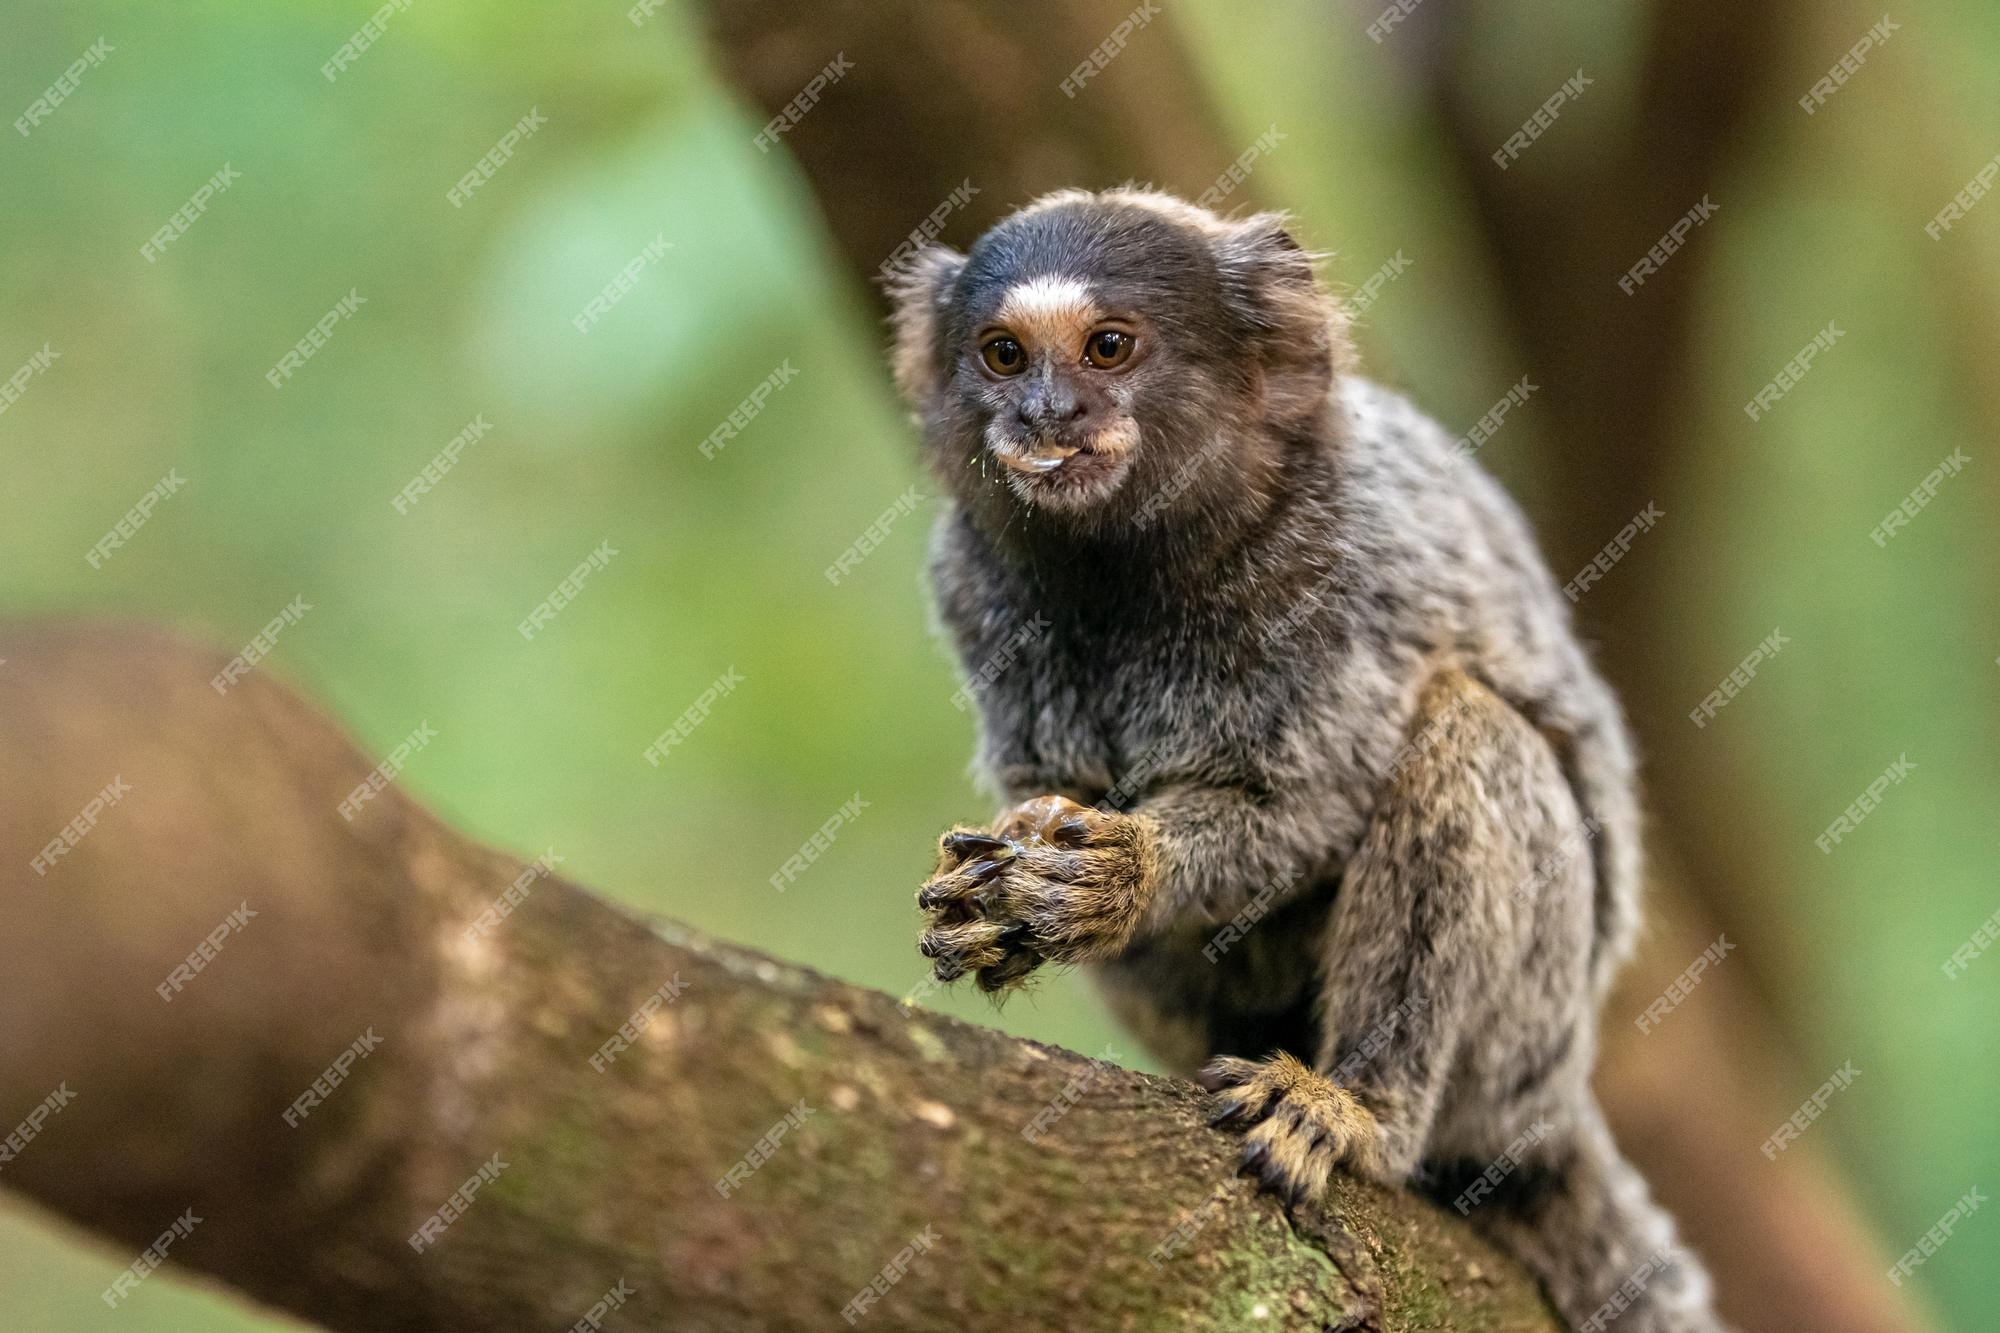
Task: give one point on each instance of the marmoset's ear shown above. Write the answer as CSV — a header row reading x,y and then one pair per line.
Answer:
x,y
1297,331
918,292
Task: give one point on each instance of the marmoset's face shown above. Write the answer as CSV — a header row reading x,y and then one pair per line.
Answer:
x,y
1054,369
1070,336
1090,349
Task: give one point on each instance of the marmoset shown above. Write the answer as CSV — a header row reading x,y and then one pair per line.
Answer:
x,y
1297,748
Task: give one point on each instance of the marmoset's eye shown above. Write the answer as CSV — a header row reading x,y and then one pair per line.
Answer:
x,y
1108,349
1003,356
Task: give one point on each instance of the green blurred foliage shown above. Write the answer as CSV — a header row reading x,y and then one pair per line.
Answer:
x,y
720,561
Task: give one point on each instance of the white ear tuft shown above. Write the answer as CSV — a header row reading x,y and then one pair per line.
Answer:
x,y
918,292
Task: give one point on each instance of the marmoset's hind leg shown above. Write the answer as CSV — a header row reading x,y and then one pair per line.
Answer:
x,y
1457,1020
1427,942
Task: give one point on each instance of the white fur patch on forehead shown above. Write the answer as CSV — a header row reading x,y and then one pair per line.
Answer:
x,y
1049,311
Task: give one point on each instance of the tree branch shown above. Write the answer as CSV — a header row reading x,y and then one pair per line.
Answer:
x,y
903,1139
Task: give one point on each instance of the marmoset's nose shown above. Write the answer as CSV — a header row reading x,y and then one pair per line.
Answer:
x,y
1049,404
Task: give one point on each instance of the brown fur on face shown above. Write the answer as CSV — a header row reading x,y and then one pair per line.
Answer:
x,y
1239,345
1050,315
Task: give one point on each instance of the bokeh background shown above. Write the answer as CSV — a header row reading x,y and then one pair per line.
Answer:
x,y
1382,152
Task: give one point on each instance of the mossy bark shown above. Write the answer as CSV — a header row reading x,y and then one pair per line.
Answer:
x,y
899,1124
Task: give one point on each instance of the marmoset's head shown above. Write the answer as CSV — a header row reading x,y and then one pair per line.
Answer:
x,y
1098,355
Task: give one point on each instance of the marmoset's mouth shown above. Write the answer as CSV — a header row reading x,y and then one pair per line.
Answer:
x,y
1069,475
1042,462
1050,454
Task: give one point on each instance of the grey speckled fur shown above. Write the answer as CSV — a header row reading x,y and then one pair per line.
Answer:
x,y
1358,793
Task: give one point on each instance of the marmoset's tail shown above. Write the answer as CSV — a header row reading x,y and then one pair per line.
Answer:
x,y
1580,1218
